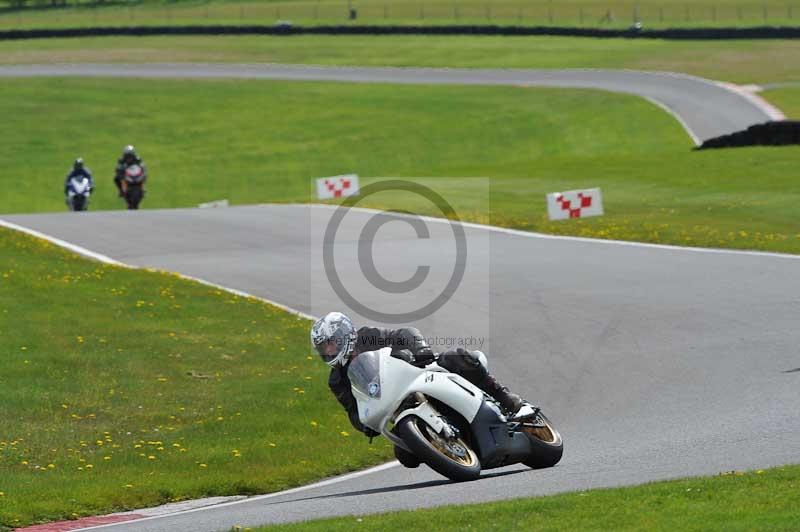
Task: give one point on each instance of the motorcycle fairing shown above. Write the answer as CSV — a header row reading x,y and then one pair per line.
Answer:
x,y
494,442
432,381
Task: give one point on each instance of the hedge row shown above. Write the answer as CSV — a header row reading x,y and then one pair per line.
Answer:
x,y
766,32
780,133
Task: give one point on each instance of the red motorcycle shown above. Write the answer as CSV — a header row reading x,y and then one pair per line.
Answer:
x,y
132,185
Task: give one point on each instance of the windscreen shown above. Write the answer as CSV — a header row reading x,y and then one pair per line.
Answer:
x,y
364,373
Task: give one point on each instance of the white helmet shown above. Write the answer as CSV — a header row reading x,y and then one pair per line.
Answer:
x,y
334,338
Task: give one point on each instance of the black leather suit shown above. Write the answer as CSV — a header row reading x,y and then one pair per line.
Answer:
x,y
408,344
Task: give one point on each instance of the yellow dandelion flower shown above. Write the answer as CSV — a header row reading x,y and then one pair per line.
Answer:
x,y
345,433
106,458
151,457
128,486
203,465
313,423
51,466
89,466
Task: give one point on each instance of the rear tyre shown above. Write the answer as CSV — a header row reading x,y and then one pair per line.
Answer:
x,y
547,447
134,197
449,457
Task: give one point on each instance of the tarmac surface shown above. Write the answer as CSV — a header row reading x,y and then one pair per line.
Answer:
x,y
655,362
705,108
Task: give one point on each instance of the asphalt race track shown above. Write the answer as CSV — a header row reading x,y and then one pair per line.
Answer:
x,y
654,362
705,108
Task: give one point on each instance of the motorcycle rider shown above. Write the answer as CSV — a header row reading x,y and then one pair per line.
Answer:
x,y
336,340
79,169
129,158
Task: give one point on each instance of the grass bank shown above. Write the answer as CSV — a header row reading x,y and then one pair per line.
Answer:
x,y
787,99
756,500
123,388
735,61
581,13
263,141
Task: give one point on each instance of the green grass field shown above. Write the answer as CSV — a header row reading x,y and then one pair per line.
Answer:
x,y
584,13
127,388
735,501
734,61
255,142
787,100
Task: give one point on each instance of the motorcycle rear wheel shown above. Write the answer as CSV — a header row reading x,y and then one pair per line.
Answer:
x,y
452,458
133,197
546,443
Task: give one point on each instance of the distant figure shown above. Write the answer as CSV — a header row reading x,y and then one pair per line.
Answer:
x,y
78,186
130,177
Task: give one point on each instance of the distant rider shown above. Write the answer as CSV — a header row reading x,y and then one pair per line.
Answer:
x,y
79,170
336,340
129,158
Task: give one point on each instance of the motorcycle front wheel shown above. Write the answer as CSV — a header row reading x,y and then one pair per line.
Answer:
x,y
450,457
547,447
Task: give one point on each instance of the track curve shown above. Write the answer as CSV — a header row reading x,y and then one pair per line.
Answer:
x,y
705,108
654,362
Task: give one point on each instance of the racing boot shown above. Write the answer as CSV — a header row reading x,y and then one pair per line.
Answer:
x,y
510,402
406,458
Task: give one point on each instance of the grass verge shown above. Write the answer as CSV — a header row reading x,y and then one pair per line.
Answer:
x,y
758,500
735,61
585,13
121,389
263,141
787,99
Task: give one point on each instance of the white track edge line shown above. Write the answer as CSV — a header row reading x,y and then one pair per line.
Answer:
x,y
108,260
64,244
543,236
762,104
676,116
320,484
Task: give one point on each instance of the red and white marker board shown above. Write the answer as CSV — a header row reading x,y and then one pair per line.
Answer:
x,y
575,204
339,186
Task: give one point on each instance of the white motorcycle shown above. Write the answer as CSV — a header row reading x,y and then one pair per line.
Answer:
x,y
446,421
78,191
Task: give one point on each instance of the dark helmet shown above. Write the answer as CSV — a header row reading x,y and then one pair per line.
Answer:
x,y
78,164
334,338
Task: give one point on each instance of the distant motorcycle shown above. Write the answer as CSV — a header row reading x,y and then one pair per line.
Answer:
x,y
133,185
79,188
446,421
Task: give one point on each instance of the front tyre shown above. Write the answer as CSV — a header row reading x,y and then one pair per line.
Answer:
x,y
547,447
449,457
